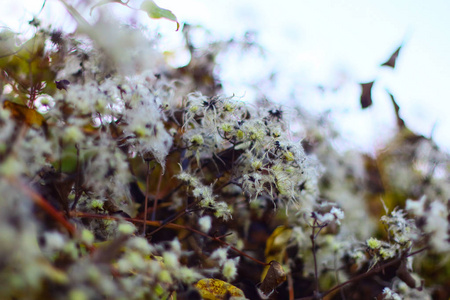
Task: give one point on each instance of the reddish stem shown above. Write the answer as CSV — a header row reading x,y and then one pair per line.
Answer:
x,y
168,225
41,202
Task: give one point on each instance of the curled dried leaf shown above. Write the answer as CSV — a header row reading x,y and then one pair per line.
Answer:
x,y
274,277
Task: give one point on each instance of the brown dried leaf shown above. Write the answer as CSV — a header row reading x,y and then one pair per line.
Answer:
x,y
24,114
393,59
275,276
366,94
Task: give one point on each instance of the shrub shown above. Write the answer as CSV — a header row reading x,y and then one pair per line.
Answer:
x,y
123,178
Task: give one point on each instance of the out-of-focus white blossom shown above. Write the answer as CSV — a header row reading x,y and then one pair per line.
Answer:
x,y
205,223
389,294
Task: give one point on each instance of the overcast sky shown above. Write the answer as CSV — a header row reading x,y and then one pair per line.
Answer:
x,y
328,43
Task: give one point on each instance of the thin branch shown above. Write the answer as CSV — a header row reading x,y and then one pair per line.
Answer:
x,y
336,274
146,197
43,203
313,247
155,201
77,181
290,280
365,275
228,245
168,225
225,184
180,214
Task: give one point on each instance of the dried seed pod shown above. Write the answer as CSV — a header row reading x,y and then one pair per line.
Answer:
x,y
274,277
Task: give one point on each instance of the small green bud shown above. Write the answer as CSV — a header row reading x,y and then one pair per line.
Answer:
x,y
373,243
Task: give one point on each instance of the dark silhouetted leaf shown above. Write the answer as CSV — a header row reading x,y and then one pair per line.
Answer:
x,y
393,59
62,84
366,94
400,122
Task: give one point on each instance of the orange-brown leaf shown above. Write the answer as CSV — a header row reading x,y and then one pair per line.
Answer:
x,y
24,114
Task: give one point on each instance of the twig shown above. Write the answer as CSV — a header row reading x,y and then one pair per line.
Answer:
x,y
43,203
290,280
146,197
228,245
180,214
155,201
313,247
168,225
336,274
367,274
226,184
77,181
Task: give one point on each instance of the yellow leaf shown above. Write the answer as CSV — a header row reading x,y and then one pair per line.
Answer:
x,y
215,289
278,240
276,246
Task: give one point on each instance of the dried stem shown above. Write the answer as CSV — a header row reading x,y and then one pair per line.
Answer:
x,y
313,248
155,201
365,275
290,280
147,179
168,225
180,214
43,203
77,181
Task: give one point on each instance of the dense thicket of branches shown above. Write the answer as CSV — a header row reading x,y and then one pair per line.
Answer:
x,y
124,178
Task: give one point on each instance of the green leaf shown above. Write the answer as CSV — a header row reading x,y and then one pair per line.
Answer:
x,y
7,43
29,65
156,12
103,2
68,162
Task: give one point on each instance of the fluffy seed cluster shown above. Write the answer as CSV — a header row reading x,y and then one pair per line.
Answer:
x,y
95,128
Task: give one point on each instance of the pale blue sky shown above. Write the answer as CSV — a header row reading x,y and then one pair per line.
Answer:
x,y
327,42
